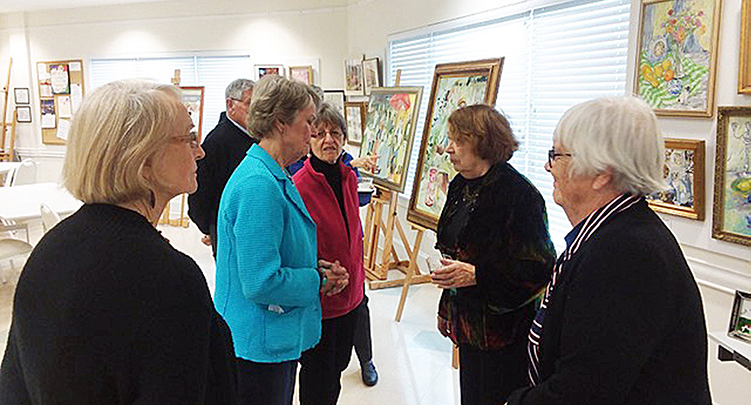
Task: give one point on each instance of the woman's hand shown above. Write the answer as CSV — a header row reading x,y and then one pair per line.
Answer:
x,y
454,274
444,327
368,162
335,277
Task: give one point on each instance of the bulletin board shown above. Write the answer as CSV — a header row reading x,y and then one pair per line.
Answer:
x,y
61,90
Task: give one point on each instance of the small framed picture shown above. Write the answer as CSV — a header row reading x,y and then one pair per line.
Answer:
x,y
353,75
263,70
354,114
21,95
684,174
302,74
23,113
740,318
371,70
335,98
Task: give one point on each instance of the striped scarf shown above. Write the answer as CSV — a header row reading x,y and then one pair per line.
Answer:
x,y
590,225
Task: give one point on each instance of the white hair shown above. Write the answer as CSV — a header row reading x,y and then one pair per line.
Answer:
x,y
619,133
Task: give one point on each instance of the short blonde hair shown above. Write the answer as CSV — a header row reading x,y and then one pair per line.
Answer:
x,y
619,133
117,129
276,98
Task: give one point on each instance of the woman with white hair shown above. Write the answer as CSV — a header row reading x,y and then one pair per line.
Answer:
x,y
105,310
622,320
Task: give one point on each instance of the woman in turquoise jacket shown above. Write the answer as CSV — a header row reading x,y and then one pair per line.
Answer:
x,y
268,278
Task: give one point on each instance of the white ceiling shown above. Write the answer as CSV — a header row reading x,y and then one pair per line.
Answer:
x,y
15,6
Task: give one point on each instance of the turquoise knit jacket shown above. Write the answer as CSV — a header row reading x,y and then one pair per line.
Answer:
x,y
266,278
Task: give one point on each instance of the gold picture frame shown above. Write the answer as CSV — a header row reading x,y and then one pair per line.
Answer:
x,y
676,58
731,213
454,85
302,74
744,66
684,173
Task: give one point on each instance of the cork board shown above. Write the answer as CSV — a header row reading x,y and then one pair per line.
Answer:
x,y
61,89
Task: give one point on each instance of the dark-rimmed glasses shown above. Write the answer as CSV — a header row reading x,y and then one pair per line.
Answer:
x,y
552,155
336,134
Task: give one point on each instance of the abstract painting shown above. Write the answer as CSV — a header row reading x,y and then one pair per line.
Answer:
x,y
455,85
389,131
684,175
263,70
677,56
732,194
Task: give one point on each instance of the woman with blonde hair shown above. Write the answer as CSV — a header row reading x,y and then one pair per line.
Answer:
x,y
106,310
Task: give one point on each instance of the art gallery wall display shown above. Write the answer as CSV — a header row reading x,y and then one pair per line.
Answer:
x,y
302,74
192,98
454,85
744,67
61,90
389,132
21,95
260,71
335,98
677,56
371,70
353,80
355,113
684,175
731,210
23,113
740,317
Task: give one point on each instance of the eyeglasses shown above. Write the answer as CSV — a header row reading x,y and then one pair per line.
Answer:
x,y
192,139
241,101
552,155
336,134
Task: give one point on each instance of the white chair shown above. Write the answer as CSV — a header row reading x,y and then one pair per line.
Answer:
x,y
11,249
25,174
9,228
49,218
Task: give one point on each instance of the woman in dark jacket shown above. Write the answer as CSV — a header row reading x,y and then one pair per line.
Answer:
x,y
494,229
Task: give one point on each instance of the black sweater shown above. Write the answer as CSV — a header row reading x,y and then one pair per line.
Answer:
x,y
107,312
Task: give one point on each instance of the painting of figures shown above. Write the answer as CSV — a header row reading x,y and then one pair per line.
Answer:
x,y
353,79
677,56
455,85
684,175
732,196
389,131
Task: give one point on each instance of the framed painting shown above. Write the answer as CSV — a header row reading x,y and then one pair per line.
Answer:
x,y
371,71
335,98
302,74
353,82
740,317
744,68
263,70
21,95
354,115
731,210
192,98
23,113
684,174
454,85
677,56
389,132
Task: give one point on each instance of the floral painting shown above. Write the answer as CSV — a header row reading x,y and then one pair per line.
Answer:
x,y
684,175
677,56
455,85
389,131
732,205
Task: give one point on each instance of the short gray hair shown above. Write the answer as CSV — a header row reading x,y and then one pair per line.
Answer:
x,y
276,98
619,133
235,89
329,115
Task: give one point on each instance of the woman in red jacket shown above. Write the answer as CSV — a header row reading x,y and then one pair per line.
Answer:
x,y
329,190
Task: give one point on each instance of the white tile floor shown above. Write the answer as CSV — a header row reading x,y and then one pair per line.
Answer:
x,y
413,360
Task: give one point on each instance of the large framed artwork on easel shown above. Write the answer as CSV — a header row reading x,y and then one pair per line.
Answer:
x,y
677,56
389,132
192,98
455,85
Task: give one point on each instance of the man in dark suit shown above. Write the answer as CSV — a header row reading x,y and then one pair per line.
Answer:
x,y
225,147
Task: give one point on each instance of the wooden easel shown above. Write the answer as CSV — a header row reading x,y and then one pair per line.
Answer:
x,y
182,220
7,154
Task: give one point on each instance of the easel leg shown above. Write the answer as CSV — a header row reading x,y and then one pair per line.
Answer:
x,y
410,273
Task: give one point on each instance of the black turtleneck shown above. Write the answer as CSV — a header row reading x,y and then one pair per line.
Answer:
x,y
333,175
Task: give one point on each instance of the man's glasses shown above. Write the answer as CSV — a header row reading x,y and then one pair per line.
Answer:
x,y
244,102
336,134
552,155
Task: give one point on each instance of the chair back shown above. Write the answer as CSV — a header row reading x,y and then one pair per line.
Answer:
x,y
25,174
49,218
10,248
9,228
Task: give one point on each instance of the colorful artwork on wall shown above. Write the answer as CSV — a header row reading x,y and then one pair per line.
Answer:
x,y
303,74
677,56
454,85
353,79
684,175
732,194
389,132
